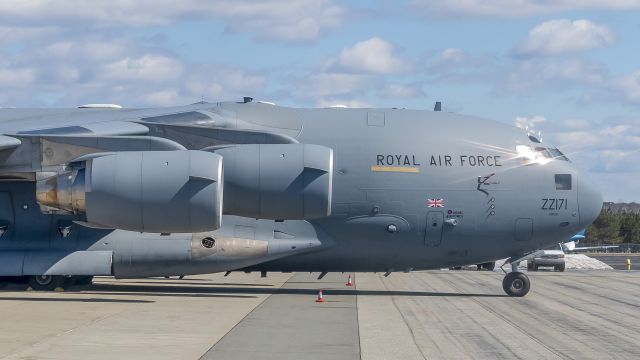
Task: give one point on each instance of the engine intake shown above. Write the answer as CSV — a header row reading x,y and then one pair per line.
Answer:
x,y
145,191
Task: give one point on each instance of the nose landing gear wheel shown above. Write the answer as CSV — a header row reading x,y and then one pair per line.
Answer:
x,y
46,282
516,284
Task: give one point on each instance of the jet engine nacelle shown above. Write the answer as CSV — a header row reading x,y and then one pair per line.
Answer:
x,y
145,191
278,181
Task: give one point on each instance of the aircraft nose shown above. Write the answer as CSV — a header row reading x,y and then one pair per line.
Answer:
x,y
589,200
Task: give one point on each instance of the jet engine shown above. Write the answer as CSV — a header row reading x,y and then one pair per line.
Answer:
x,y
277,181
146,191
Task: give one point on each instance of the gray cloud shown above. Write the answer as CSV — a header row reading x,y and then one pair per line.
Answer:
x,y
103,68
274,20
455,9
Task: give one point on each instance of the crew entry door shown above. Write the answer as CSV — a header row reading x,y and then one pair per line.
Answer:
x,y
433,231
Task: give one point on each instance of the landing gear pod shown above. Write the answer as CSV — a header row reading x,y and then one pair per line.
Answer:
x,y
278,181
145,191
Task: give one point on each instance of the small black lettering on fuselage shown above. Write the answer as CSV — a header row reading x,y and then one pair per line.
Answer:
x,y
465,160
440,160
396,160
480,160
554,204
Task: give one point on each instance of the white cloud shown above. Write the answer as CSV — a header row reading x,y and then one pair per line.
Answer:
x,y
148,68
223,82
162,97
279,20
337,102
16,34
558,37
95,67
452,55
606,145
577,139
628,87
524,122
531,75
575,124
284,20
16,77
401,91
323,85
374,56
455,9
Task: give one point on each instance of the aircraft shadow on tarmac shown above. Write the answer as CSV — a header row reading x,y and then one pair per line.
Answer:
x,y
92,300
182,283
250,292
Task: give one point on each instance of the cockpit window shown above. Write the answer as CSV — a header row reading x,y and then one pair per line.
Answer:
x,y
563,181
538,154
544,152
558,154
534,139
551,153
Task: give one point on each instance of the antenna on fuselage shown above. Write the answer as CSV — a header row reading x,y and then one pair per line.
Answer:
x,y
438,106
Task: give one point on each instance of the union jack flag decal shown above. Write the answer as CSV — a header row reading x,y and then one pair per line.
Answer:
x,y
435,203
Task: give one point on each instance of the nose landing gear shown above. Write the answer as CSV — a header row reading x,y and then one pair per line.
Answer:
x,y
515,283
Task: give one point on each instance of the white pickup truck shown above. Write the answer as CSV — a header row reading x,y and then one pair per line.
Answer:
x,y
548,258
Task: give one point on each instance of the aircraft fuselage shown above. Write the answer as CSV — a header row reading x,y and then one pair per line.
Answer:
x,y
410,190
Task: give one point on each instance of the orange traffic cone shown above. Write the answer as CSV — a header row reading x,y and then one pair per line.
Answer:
x,y
320,298
349,283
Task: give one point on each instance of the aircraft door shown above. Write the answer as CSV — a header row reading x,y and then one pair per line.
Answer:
x,y
433,231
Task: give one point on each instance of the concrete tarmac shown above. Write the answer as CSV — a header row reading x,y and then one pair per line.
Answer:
x,y
420,315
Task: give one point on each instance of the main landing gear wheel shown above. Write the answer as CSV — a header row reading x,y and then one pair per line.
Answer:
x,y
46,282
516,284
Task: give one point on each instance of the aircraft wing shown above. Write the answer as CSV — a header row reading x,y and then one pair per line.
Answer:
x,y
594,247
36,140
161,171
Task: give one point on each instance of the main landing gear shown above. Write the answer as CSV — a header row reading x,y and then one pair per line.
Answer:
x,y
57,282
46,282
515,283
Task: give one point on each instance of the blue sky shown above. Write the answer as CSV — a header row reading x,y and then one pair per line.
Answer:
x,y
568,68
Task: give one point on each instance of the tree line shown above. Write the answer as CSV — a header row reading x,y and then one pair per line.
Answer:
x,y
612,227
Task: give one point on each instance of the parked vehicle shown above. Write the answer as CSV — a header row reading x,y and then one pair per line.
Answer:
x,y
548,258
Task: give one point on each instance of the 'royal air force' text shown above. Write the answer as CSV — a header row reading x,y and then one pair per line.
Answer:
x,y
438,160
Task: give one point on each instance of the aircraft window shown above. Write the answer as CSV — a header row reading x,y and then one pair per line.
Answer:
x,y
563,181
558,154
545,152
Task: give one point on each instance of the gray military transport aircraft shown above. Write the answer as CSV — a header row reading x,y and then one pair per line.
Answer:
x,y
251,186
